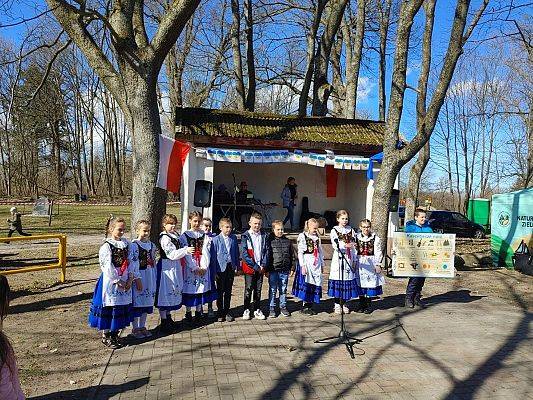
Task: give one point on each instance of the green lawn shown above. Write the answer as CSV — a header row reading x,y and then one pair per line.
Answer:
x,y
68,218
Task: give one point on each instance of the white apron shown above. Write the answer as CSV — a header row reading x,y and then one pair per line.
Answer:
x,y
192,282
346,233
312,264
112,295
147,274
171,282
368,277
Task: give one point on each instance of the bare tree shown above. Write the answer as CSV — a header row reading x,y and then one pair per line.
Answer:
x,y
131,78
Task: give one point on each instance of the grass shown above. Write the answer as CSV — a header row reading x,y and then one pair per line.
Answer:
x,y
72,218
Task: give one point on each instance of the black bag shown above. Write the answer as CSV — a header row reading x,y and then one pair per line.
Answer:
x,y
523,259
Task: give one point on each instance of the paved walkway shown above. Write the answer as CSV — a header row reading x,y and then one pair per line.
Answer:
x,y
461,347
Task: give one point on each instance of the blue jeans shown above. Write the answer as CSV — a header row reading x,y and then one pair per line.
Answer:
x,y
277,281
290,215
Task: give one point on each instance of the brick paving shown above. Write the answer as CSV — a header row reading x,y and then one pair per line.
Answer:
x,y
460,347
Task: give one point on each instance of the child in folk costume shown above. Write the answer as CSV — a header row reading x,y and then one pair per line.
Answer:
x,y
308,282
111,308
169,272
342,283
207,227
369,257
197,288
144,294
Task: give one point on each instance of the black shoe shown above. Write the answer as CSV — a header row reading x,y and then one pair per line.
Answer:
x,y
229,318
362,305
198,317
188,317
166,326
114,341
409,302
418,302
368,307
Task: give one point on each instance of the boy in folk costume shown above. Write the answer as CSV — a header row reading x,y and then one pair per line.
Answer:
x,y
254,254
223,258
307,284
197,288
369,258
343,283
111,308
169,272
143,297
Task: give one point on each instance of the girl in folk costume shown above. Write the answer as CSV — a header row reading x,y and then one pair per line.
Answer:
x,y
144,293
342,282
111,308
308,282
197,288
169,272
369,257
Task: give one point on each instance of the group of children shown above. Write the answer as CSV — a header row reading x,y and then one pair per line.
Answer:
x,y
197,268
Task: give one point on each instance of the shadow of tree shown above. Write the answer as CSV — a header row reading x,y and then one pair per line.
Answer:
x,y
94,392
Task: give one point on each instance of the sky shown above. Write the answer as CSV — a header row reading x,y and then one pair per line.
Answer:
x,y
368,90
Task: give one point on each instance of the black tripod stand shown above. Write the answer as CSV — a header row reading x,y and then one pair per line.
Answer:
x,y
344,337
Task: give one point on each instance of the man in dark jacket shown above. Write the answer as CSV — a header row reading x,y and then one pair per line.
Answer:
x,y
280,264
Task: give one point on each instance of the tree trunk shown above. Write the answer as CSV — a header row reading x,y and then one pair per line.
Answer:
x,y
311,54
413,187
250,62
142,118
382,197
237,57
321,87
354,63
384,22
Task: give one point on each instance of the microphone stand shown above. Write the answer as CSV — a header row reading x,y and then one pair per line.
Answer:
x,y
343,337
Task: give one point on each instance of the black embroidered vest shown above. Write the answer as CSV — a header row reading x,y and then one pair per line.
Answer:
x,y
118,255
174,241
310,244
365,248
144,257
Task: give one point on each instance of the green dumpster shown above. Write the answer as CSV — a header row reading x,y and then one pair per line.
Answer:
x,y
511,224
479,212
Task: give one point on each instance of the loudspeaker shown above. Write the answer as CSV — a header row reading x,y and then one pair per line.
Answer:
x,y
202,193
394,200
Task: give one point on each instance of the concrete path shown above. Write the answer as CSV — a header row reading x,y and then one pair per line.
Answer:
x,y
460,347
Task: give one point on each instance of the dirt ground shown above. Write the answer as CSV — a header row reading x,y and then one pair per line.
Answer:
x,y
57,351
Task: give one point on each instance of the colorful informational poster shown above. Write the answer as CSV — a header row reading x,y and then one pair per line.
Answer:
x,y
429,255
511,225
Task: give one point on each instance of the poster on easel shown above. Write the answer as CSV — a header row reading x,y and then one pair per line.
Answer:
x,y
425,255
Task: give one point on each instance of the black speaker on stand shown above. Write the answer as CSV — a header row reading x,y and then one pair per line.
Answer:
x,y
394,200
202,194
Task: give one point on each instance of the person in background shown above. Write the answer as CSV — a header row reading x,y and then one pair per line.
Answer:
x,y
207,227
289,196
241,199
15,224
413,292
9,374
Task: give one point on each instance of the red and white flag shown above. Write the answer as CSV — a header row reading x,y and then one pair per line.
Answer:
x,y
172,156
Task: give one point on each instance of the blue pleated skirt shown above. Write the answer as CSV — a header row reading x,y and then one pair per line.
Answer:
x,y
196,299
103,317
372,292
307,292
344,289
138,311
